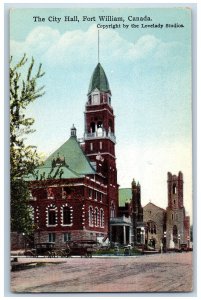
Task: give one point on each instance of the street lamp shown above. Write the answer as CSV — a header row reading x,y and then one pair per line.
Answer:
x,y
188,241
164,236
24,240
179,240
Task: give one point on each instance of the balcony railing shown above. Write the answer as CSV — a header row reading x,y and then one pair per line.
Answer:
x,y
102,134
120,220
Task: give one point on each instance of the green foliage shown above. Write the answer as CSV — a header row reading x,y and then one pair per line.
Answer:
x,y
23,158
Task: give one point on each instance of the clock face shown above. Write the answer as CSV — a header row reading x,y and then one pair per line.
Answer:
x,y
96,99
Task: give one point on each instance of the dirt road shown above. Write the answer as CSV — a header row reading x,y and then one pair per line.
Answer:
x,y
153,273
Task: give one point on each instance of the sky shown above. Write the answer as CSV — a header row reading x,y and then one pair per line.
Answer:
x,y
149,72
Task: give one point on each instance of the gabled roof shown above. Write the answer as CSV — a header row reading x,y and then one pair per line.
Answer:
x,y
68,161
99,80
150,204
125,195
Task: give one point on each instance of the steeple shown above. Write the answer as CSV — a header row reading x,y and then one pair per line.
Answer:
x,y
99,80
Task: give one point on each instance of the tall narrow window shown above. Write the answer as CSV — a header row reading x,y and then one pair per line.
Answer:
x,y
90,193
96,216
101,218
96,195
174,188
91,146
101,145
66,216
90,216
52,217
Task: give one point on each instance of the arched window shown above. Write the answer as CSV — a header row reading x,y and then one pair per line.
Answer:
x,y
96,217
51,215
151,227
174,231
174,188
110,124
99,128
101,218
66,215
90,216
92,127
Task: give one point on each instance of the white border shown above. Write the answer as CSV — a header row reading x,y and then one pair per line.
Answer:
x,y
4,288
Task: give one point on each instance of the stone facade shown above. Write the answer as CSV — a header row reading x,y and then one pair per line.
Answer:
x,y
154,224
178,224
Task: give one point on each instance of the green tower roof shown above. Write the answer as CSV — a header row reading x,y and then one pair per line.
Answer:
x,y
125,195
68,161
99,80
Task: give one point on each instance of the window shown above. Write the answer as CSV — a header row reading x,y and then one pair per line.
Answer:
x,y
90,193
101,218
96,216
66,216
92,127
51,237
96,195
52,217
96,99
90,216
101,197
67,237
101,145
151,227
174,231
91,146
50,193
112,211
174,188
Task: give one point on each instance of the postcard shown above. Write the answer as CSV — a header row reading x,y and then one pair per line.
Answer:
x,y
101,150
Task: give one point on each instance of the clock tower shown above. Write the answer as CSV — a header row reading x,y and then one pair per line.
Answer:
x,y
99,135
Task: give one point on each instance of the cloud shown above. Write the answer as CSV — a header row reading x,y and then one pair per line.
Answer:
x,y
59,49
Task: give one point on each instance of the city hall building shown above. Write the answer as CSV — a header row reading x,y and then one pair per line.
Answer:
x,y
75,195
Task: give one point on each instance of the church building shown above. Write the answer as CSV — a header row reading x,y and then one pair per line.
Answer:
x,y
154,226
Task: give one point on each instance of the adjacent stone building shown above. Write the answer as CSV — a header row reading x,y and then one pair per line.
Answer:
x,y
154,226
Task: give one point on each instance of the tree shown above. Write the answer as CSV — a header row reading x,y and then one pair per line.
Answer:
x,y
23,158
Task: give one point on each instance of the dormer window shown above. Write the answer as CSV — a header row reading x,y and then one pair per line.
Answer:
x,y
96,99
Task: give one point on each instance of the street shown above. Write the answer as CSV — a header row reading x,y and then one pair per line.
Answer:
x,y
149,273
